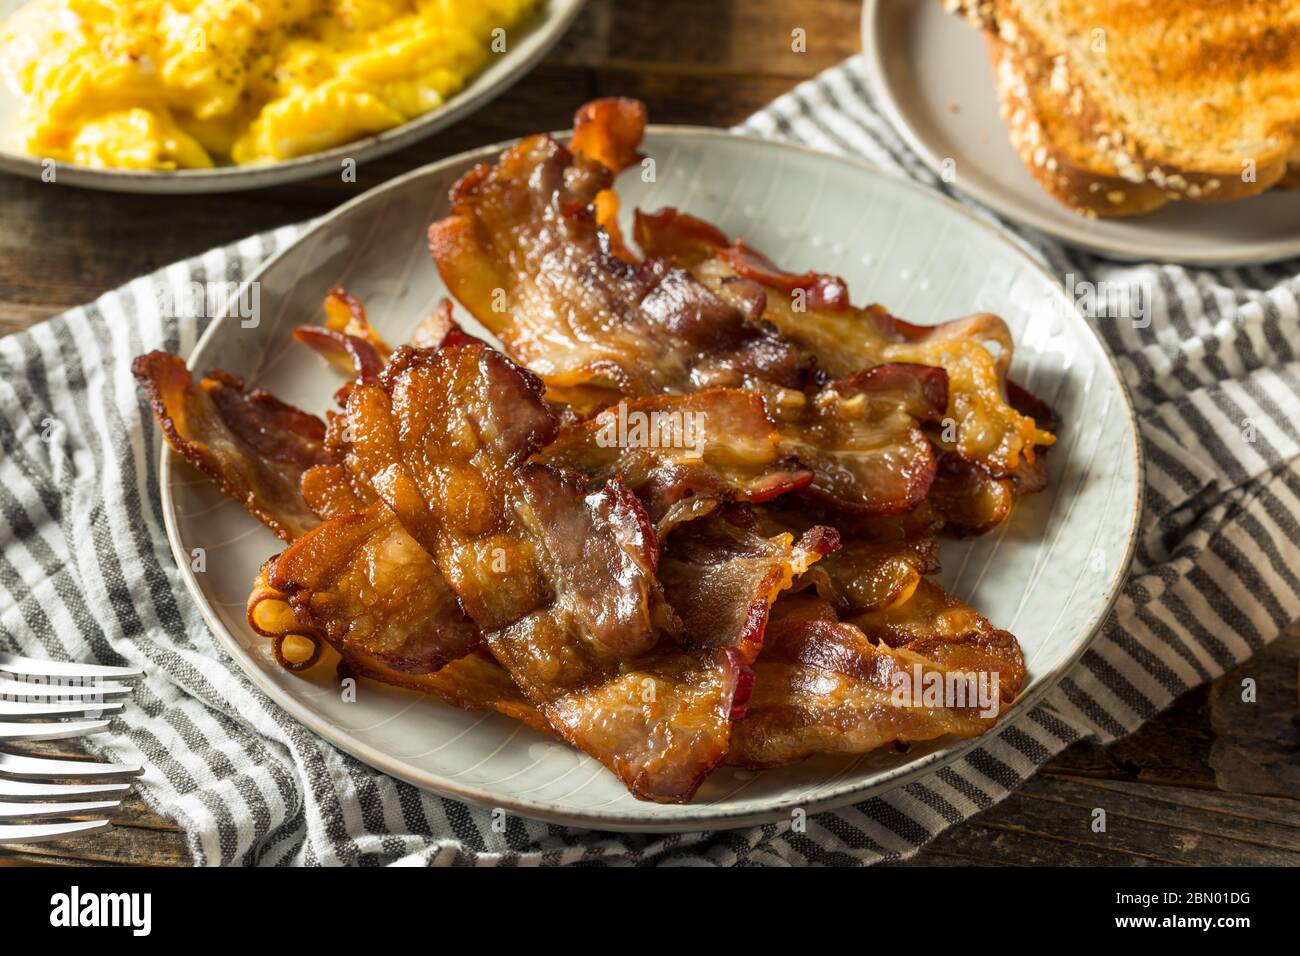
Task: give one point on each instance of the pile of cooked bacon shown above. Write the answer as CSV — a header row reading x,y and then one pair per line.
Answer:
x,y
485,526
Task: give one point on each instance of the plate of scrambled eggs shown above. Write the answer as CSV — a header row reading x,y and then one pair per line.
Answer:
x,y
219,95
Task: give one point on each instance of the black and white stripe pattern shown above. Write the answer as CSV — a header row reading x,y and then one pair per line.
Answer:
x,y
86,572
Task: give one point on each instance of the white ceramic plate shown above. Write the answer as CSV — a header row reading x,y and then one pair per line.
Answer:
x,y
524,49
931,70
1049,574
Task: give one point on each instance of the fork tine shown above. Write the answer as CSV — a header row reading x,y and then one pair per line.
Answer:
x,y
11,790
39,832
39,691
41,768
37,668
25,711
36,811
55,731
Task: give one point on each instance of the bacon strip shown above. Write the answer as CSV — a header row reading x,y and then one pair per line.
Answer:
x,y
973,501
880,561
871,575
609,131
559,578
473,682
683,455
523,252
349,353
357,581
826,686
812,311
253,446
974,352
677,237
440,328
721,577
934,623
361,583
346,340
817,290
346,315
861,439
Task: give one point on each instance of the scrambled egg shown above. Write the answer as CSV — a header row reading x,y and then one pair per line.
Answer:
x,y
167,84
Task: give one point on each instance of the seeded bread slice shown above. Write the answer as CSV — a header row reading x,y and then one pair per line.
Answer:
x,y
1080,148
1052,128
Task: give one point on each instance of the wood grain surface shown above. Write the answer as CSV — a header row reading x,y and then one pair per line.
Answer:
x,y
1211,781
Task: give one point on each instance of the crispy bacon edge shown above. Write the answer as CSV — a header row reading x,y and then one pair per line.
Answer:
x,y
811,655
264,434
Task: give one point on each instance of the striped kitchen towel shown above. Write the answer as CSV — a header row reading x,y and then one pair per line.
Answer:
x,y
86,572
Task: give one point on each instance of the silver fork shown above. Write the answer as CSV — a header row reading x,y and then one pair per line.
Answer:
x,y
53,700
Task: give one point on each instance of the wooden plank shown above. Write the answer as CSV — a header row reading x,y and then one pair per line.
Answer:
x,y
977,844
120,846
737,36
139,835
1257,739
1049,822
1172,748
1158,789
17,316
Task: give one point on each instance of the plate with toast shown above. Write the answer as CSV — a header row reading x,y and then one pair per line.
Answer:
x,y
1172,133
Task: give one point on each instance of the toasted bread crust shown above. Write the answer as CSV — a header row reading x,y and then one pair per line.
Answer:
x,y
1036,118
1074,148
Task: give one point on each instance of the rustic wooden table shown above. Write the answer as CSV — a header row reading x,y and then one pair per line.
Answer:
x,y
1210,781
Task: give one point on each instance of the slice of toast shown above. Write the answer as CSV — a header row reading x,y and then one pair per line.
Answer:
x,y
1070,72
1054,128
